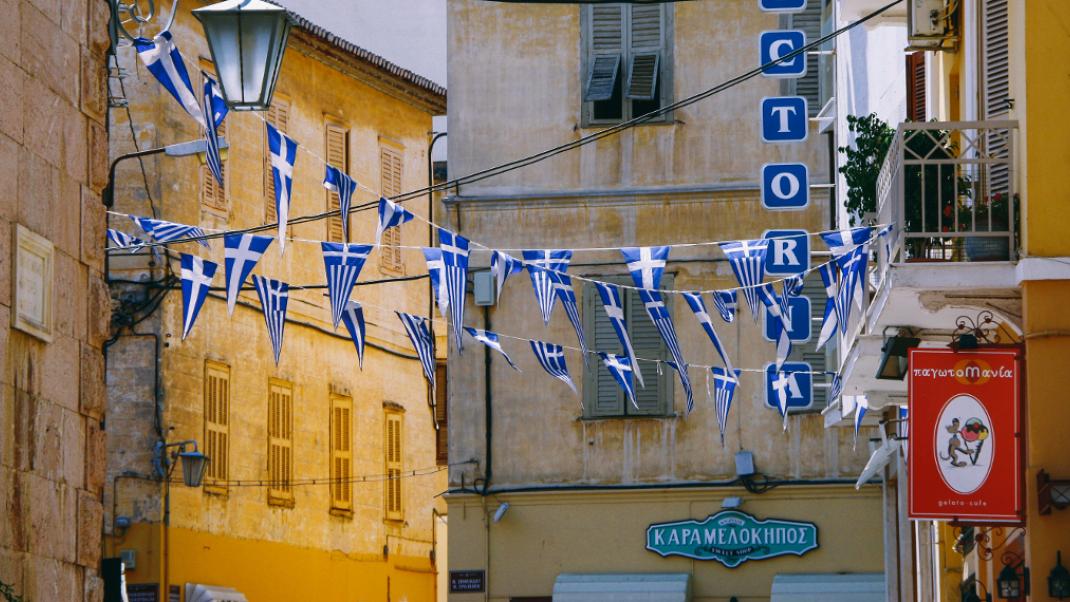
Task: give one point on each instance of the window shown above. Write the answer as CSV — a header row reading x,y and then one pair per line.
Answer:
x,y
390,186
341,453
627,67
393,464
442,438
278,115
916,86
602,396
337,145
280,443
817,86
216,426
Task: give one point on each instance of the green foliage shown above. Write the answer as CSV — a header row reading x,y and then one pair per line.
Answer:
x,y
8,592
863,164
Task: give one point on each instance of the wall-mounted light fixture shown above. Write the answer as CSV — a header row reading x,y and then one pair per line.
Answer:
x,y
1059,579
499,514
894,353
1052,493
1009,582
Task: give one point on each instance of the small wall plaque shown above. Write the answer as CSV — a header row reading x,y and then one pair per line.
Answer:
x,y
34,264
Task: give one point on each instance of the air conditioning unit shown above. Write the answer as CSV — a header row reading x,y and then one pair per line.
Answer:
x,y
928,22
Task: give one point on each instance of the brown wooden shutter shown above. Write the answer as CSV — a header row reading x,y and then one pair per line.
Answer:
x,y
278,115
915,74
341,453
390,172
216,425
337,139
442,438
392,454
280,443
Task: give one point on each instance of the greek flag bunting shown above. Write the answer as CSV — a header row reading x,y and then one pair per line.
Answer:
x,y
420,334
611,301
163,60
164,231
433,256
492,340
747,258
774,311
197,277
343,263
274,296
726,303
455,275
344,186
724,388
122,240
552,359
840,242
391,215
621,368
835,388
241,254
659,314
886,234
698,307
543,267
565,292
852,267
503,265
283,151
353,318
215,110
646,265
830,277
782,385
860,413
685,381
792,286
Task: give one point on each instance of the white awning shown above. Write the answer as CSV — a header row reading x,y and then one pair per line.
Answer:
x,y
623,587
829,587
196,592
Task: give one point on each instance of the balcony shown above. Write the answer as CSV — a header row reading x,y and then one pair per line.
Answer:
x,y
949,188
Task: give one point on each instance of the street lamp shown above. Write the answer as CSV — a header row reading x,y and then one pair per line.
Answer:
x,y
1059,579
194,462
247,39
1009,582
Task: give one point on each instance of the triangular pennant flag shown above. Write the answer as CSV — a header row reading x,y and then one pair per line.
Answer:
x,y
724,388
274,297
646,265
747,258
698,307
283,152
659,314
163,231
492,340
611,301
197,277
567,295
433,256
860,413
792,286
215,110
840,242
685,381
353,318
852,268
783,384
242,253
774,311
835,388
831,279
454,249
543,266
163,60
726,303
503,265
391,215
122,240
343,263
420,334
552,359
621,368
341,184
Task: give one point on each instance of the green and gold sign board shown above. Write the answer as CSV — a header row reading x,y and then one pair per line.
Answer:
x,y
731,537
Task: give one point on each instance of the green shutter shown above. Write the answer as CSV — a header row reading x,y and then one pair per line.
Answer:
x,y
645,46
605,37
656,396
602,395
603,78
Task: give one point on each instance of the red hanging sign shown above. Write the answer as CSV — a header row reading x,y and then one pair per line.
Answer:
x,y
965,435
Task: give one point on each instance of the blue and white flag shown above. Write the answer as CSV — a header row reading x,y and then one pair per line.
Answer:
x,y
344,186
782,384
860,413
343,263
455,275
122,240
164,231
283,151
420,334
886,234
621,368
685,381
835,388
503,265
698,307
565,292
197,277
241,254
492,340
274,296
747,258
433,256
552,359
840,242
611,301
215,110
774,311
659,314
646,265
353,318
852,269
543,267
391,215
830,277
791,286
724,389
163,60
726,303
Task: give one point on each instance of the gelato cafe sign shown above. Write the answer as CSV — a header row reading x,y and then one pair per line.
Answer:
x,y
731,537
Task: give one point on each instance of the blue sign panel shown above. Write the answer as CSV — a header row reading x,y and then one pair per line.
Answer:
x,y
781,6
789,252
796,379
784,119
775,44
785,186
799,317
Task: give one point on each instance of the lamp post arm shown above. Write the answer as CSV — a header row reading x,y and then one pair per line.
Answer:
x,y
180,149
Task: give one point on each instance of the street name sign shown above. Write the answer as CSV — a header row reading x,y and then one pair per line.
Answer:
x,y
731,537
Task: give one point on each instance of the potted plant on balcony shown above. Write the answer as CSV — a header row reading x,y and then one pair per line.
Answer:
x,y
862,165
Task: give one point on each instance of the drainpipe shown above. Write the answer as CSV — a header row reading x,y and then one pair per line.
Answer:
x,y
488,430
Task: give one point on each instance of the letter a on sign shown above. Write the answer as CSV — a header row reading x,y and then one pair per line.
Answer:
x,y
781,6
784,119
785,186
776,44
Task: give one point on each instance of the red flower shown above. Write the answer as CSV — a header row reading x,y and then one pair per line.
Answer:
x,y
947,210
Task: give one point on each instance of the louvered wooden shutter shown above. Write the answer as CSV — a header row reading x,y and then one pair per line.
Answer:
x,y
645,47
442,438
216,425
602,396
655,397
280,442
213,196
390,172
278,115
916,86
995,89
392,453
337,155
605,51
341,452
808,86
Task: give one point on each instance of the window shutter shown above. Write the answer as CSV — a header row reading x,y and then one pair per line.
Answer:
x,y
280,443
645,51
995,90
602,395
341,453
441,414
392,454
278,115
808,86
606,45
337,156
213,196
390,166
656,397
216,425
916,86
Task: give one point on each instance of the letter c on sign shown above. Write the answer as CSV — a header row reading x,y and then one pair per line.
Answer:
x,y
774,50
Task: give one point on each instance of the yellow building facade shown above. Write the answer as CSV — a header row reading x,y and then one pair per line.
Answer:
x,y
322,475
